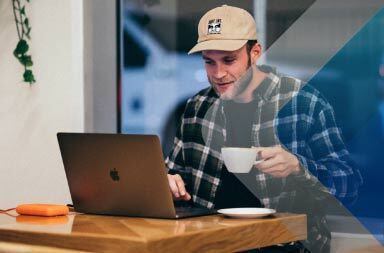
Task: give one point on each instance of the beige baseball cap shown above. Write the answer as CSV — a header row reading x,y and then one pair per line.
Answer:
x,y
225,28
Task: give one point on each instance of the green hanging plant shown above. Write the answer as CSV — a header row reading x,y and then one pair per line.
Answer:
x,y
22,47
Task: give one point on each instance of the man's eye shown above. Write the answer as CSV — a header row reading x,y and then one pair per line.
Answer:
x,y
229,60
208,62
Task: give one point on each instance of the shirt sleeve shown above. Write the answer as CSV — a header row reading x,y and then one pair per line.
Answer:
x,y
330,163
174,163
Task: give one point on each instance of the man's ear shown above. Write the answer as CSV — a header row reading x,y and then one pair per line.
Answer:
x,y
255,53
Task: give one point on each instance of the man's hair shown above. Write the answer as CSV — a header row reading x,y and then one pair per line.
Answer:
x,y
249,45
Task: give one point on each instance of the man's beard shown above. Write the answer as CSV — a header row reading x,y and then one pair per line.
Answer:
x,y
239,85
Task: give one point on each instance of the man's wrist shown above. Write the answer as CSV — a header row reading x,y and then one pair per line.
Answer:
x,y
297,167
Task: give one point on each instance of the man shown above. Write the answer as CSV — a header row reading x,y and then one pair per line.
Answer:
x,y
292,125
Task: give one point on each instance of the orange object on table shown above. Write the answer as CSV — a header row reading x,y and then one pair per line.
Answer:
x,y
42,220
46,210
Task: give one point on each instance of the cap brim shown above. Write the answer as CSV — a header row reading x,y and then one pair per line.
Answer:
x,y
222,45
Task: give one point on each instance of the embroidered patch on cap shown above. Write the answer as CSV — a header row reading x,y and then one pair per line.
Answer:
x,y
214,26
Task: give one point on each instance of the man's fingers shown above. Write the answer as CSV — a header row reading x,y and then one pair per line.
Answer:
x,y
277,162
269,163
180,185
276,168
182,191
265,153
177,186
187,196
173,186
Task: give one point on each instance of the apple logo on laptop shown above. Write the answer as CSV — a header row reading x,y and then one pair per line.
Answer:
x,y
114,174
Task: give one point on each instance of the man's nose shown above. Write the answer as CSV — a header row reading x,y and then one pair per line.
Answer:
x,y
220,71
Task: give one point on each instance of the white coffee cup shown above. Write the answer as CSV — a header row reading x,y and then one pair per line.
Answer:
x,y
239,160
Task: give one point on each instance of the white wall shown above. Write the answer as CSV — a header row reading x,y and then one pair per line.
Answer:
x,y
31,169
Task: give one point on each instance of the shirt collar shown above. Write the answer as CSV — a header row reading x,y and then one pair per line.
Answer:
x,y
266,88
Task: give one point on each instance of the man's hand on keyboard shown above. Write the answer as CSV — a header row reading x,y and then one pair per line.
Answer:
x,y
177,187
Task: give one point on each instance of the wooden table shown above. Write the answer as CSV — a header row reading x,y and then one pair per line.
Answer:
x,y
95,233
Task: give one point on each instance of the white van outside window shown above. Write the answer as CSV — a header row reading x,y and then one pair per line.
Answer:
x,y
155,79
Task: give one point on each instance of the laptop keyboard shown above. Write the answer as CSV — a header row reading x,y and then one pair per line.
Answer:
x,y
185,209
190,211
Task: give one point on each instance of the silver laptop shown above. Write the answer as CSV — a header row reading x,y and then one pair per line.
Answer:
x,y
118,174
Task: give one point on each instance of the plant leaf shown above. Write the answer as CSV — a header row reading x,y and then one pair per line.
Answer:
x,y
21,48
26,60
28,32
28,76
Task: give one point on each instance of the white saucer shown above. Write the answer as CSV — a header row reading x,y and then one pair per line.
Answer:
x,y
246,212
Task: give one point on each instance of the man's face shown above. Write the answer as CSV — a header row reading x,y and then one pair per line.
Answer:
x,y
227,71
